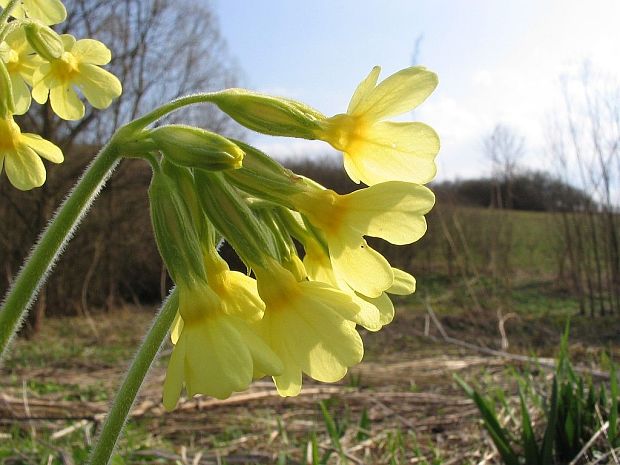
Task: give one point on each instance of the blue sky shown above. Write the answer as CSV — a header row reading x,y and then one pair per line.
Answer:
x,y
498,61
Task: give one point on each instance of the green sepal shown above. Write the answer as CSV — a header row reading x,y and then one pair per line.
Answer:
x,y
177,240
44,40
265,178
231,215
197,148
271,115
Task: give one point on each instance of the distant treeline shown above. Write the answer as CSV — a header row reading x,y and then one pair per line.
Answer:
x,y
529,191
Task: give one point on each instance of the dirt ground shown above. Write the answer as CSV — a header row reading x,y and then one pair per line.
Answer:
x,y
401,405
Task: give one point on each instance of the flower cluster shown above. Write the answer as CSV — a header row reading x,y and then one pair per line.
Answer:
x,y
293,313
37,63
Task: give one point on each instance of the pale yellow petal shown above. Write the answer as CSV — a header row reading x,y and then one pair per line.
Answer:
x,y
384,306
41,83
394,152
320,341
68,41
242,298
43,147
21,94
66,103
288,383
217,362
364,89
91,51
369,316
47,11
264,358
361,267
173,383
98,85
24,168
404,283
399,93
393,211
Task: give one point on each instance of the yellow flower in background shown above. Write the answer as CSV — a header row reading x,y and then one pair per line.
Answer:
x,y
20,62
310,327
215,353
375,150
78,67
393,211
47,11
20,154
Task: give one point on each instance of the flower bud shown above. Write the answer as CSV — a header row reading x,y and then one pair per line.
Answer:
x,y
7,106
44,40
266,114
232,217
197,148
264,177
176,238
183,181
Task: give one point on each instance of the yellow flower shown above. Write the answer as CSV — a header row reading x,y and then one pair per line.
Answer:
x,y
215,353
76,68
375,150
20,62
46,11
309,325
393,211
375,312
20,152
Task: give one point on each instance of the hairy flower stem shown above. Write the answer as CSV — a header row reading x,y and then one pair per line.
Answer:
x,y
4,16
128,391
52,242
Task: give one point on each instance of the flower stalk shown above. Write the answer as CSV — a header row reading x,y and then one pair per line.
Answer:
x,y
29,280
126,395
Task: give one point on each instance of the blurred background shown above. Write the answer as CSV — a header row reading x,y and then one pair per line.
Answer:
x,y
525,233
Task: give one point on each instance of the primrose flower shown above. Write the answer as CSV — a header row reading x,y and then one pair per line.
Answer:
x,y
20,62
77,67
393,211
309,325
20,154
378,311
215,353
47,11
375,150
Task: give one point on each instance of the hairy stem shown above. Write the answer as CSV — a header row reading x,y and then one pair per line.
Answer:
x,y
51,244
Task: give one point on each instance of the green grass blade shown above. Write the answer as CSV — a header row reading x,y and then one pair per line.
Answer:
x,y
550,433
530,447
500,439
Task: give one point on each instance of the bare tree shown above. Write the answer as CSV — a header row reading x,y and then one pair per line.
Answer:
x,y
503,148
161,49
585,142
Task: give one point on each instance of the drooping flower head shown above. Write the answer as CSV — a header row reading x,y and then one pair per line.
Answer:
x,y
375,150
309,325
215,353
76,68
20,154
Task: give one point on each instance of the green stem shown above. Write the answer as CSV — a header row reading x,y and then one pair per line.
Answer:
x,y
162,111
52,242
128,391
